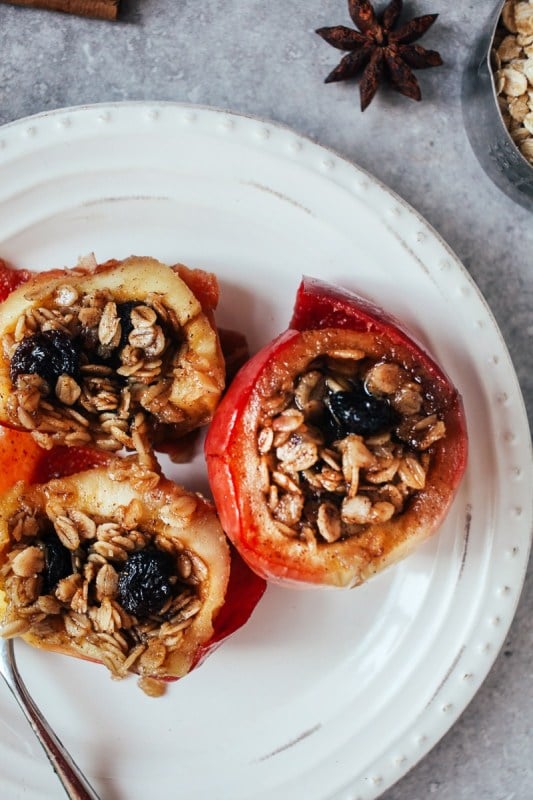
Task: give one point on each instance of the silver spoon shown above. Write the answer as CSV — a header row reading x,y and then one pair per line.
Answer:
x,y
75,784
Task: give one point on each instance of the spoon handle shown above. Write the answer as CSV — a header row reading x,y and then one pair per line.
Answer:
x,y
75,784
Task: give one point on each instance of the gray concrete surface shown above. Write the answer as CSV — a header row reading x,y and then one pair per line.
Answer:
x,y
264,59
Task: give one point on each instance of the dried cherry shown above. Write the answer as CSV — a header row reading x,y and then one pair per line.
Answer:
x,y
359,412
144,583
57,563
48,354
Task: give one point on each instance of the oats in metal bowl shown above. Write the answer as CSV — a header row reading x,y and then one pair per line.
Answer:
x,y
512,60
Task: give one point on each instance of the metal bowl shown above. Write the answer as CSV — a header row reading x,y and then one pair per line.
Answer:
x,y
492,143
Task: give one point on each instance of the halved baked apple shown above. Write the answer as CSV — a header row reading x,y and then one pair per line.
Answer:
x,y
117,565
98,357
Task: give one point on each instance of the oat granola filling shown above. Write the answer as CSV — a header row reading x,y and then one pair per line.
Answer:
x,y
120,357
87,364
107,582
347,448
128,571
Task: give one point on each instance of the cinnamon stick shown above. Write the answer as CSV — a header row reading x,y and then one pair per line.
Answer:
x,y
100,9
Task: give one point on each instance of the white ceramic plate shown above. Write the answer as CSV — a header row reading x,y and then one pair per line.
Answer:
x,y
322,694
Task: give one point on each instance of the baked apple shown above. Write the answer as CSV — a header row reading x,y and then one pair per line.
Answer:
x,y
119,565
99,357
338,447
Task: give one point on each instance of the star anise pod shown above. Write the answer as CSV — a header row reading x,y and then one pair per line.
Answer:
x,y
381,50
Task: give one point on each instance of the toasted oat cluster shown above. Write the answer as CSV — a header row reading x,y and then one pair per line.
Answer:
x,y
347,448
107,585
98,359
512,58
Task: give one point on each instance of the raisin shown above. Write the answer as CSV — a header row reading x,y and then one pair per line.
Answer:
x,y
144,583
359,412
48,354
57,563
